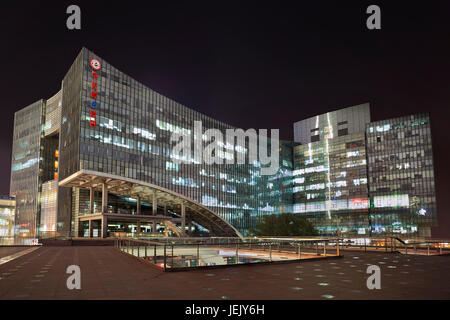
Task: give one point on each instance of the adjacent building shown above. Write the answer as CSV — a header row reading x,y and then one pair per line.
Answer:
x,y
7,207
97,159
401,175
330,177
357,177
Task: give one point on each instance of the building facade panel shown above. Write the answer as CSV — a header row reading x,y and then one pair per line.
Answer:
x,y
53,114
25,165
330,184
402,185
332,124
49,205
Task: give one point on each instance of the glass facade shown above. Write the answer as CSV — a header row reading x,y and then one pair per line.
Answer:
x,y
131,138
345,174
49,206
333,124
7,208
25,167
53,114
330,184
401,185
35,163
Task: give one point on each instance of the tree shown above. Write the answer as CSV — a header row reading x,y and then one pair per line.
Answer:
x,y
285,224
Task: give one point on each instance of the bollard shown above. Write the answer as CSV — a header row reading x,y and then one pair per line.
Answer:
x,y
299,251
428,250
317,248
324,248
138,250
154,254
145,251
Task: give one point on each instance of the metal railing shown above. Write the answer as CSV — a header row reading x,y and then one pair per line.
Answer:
x,y
397,245
366,244
190,253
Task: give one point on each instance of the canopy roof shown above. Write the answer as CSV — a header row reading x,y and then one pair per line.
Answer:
x,y
133,188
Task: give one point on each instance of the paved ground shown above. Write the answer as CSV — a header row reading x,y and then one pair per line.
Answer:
x,y
107,273
7,251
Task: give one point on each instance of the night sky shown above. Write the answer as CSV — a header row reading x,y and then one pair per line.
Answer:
x,y
258,65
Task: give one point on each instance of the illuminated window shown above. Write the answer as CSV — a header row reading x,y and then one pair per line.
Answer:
x,y
170,166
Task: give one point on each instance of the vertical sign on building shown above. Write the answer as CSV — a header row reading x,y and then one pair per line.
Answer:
x,y
96,66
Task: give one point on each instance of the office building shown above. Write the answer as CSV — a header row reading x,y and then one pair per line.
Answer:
x,y
97,159
401,176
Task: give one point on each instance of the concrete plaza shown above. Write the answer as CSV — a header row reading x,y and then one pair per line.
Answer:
x,y
107,273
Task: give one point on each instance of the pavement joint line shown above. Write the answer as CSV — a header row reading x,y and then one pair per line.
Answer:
x,y
140,276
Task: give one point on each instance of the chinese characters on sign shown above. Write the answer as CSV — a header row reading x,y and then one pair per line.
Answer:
x,y
96,66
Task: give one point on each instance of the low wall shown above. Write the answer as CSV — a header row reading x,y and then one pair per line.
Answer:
x,y
76,242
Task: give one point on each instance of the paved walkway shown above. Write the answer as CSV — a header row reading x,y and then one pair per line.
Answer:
x,y
7,251
107,273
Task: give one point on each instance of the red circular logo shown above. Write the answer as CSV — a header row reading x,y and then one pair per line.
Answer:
x,y
95,64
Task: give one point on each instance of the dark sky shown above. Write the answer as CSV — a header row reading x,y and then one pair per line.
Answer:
x,y
250,64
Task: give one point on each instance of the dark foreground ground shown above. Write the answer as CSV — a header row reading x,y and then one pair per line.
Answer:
x,y
107,273
7,251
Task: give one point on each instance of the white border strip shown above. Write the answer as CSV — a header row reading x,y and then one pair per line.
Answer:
x,y
16,255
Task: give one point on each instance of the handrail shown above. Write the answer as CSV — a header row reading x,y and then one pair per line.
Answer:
x,y
167,255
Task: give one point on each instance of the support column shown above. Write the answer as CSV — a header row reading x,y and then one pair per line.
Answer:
x,y
104,226
190,226
91,200
104,198
154,226
90,229
183,219
138,226
165,209
138,205
154,205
